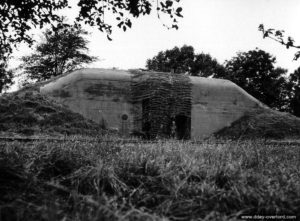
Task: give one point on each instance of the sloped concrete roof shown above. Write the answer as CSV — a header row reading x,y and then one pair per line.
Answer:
x,y
220,88
87,73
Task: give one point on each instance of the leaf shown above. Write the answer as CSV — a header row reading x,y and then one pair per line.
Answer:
x,y
109,38
278,33
261,27
179,9
175,26
179,15
128,23
297,55
120,24
169,3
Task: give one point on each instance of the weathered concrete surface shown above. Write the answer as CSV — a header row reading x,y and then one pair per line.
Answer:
x,y
104,96
217,103
98,94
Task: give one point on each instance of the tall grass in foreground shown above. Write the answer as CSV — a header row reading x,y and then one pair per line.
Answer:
x,y
163,181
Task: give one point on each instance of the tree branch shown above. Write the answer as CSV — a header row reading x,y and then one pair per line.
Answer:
x,y
277,35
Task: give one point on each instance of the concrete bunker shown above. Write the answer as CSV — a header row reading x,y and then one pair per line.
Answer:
x,y
152,104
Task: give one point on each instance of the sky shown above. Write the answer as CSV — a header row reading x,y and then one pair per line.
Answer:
x,y
220,28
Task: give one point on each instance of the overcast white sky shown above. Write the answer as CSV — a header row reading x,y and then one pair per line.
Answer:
x,y
218,27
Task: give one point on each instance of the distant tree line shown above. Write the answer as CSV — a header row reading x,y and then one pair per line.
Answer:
x,y
254,71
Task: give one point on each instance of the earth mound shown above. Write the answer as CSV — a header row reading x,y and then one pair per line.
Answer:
x,y
27,112
263,124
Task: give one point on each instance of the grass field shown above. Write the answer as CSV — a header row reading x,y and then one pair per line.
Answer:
x,y
167,180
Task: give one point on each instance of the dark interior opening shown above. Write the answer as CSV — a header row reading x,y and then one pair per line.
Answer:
x,y
146,125
178,127
183,127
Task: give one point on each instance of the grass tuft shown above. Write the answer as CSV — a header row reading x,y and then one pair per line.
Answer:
x,y
168,180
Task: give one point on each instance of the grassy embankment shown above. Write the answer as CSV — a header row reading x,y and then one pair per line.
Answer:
x,y
29,113
78,180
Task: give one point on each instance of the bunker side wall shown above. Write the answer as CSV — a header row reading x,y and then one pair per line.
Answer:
x,y
217,104
104,101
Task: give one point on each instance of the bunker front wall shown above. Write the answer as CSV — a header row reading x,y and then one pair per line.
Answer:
x,y
163,99
217,104
105,96
101,97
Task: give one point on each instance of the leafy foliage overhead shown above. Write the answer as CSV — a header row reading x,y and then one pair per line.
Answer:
x,y
63,50
278,35
184,60
18,17
93,12
254,71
